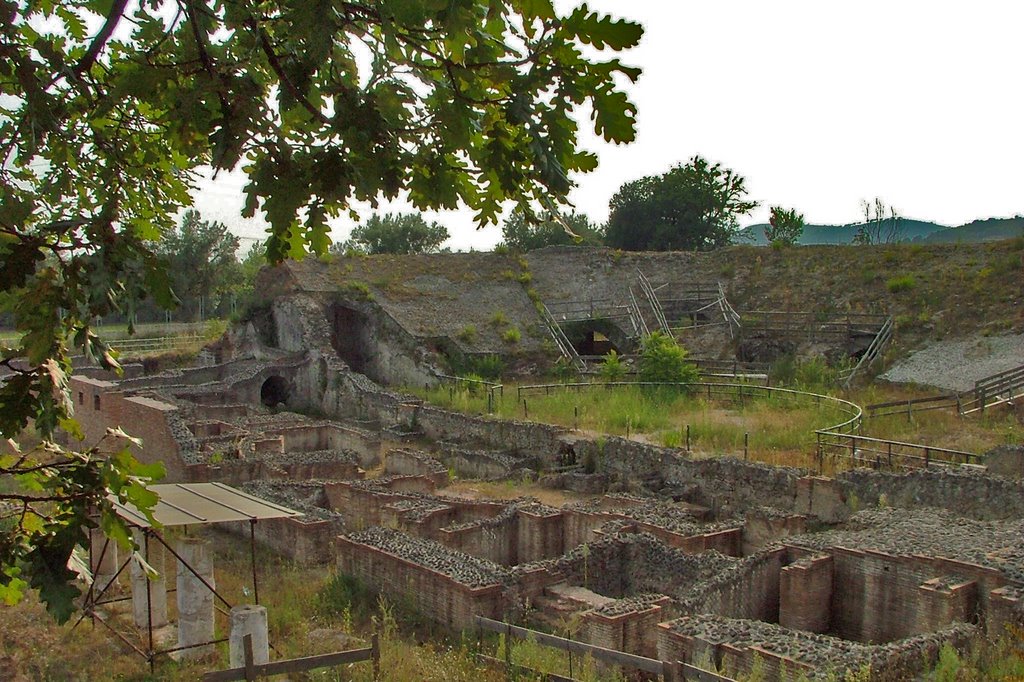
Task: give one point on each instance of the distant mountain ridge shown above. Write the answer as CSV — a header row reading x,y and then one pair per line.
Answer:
x,y
909,230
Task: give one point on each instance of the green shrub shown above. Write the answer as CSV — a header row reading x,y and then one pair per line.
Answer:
x,y
511,335
524,278
502,249
487,367
563,370
612,369
664,360
498,319
467,333
900,283
361,290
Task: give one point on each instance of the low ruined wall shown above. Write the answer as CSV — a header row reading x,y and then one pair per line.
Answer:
x,y
411,577
967,493
628,625
880,597
494,539
747,589
400,461
304,541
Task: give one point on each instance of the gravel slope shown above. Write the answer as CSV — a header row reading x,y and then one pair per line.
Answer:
x,y
956,365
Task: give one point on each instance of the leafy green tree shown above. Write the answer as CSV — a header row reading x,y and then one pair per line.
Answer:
x,y
784,226
519,234
662,359
108,109
692,206
202,264
402,233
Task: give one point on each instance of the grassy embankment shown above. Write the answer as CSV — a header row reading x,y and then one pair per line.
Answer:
x,y
778,430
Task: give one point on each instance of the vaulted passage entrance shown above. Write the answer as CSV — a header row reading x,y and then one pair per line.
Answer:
x,y
274,391
351,337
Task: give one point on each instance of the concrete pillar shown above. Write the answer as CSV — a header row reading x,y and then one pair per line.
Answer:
x,y
249,620
195,600
103,563
155,602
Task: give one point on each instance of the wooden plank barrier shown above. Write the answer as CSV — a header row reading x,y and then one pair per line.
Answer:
x,y
671,671
251,671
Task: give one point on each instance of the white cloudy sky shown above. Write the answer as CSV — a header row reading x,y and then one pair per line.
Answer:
x,y
819,105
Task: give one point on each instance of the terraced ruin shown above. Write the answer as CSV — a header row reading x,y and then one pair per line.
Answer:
x,y
650,550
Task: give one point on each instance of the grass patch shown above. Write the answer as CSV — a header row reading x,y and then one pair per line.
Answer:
x,y
895,285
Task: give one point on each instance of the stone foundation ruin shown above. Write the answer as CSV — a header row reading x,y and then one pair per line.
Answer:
x,y
701,560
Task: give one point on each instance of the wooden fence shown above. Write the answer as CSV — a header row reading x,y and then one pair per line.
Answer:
x,y
879,453
669,671
989,391
253,671
807,325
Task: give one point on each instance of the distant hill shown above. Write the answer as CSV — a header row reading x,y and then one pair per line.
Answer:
x,y
909,230
987,230
921,231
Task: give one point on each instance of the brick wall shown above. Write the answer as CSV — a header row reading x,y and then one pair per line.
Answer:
x,y
436,596
878,597
539,536
749,591
491,539
805,594
98,406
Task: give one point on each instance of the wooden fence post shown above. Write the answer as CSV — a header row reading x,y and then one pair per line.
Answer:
x,y
375,654
250,668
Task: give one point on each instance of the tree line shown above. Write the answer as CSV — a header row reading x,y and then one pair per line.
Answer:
x,y
693,206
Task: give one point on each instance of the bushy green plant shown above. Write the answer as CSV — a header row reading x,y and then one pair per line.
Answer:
x,y
485,366
612,369
498,318
900,283
467,333
563,370
511,335
664,360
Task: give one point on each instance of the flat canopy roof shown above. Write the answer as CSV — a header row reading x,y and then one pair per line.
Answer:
x,y
186,504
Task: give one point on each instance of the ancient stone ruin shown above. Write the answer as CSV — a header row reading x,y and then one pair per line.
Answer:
x,y
716,560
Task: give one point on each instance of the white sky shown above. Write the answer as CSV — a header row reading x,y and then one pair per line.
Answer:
x,y
819,105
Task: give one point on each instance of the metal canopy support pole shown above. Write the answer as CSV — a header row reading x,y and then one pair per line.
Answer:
x,y
252,554
149,601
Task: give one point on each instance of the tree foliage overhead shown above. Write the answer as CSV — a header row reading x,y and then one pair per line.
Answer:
x,y
519,234
108,108
401,233
692,206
